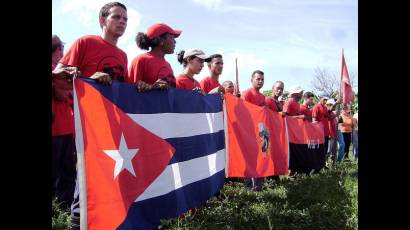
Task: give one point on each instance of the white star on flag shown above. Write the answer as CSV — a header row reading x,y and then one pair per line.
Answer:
x,y
122,157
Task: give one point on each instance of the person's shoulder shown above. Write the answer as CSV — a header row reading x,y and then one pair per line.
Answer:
x,y
89,38
140,57
205,79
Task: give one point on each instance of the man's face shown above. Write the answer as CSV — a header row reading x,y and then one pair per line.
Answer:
x,y
277,89
216,66
257,81
116,21
309,100
323,101
229,88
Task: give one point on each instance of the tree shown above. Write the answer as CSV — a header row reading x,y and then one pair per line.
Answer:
x,y
329,83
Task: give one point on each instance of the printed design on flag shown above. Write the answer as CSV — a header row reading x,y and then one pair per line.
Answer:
x,y
264,139
313,143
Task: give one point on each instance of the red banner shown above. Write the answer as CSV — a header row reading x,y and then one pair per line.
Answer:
x,y
257,142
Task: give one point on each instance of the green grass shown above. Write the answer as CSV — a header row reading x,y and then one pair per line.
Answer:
x,y
322,201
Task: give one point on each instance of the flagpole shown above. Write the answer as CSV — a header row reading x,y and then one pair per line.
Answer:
x,y
79,142
236,77
341,76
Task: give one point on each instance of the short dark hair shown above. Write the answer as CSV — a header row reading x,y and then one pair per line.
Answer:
x,y
212,57
105,10
308,94
257,71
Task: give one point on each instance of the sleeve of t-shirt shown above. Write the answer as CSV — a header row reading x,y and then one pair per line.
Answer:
x,y
286,107
136,70
180,84
204,86
246,96
74,55
315,111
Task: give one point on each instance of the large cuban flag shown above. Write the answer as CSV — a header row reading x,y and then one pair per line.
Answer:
x,y
147,156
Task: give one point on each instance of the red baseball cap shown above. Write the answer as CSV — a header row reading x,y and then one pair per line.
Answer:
x,y
161,28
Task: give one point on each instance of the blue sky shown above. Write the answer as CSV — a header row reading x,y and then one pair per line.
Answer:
x,y
286,39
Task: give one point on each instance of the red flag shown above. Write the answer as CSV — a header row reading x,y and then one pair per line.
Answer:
x,y
257,140
237,81
346,88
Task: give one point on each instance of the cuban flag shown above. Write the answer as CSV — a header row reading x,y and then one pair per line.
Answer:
x,y
147,156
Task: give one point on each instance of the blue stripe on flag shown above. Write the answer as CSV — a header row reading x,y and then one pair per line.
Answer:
x,y
187,148
146,214
149,102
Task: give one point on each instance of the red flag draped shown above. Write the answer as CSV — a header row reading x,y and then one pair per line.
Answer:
x,y
257,140
345,86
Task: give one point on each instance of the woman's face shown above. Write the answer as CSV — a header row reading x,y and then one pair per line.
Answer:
x,y
195,65
168,44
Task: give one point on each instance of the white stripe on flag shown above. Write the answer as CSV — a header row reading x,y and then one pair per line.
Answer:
x,y
183,173
173,125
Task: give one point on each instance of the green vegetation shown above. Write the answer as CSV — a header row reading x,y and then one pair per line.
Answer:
x,y
327,200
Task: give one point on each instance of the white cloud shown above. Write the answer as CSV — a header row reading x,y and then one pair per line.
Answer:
x,y
210,4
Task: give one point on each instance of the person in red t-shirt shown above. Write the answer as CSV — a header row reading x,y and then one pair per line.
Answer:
x,y
320,113
150,70
99,58
291,106
193,62
228,86
211,84
253,96
331,151
62,138
305,107
273,102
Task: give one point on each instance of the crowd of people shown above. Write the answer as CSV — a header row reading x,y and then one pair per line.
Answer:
x,y
98,57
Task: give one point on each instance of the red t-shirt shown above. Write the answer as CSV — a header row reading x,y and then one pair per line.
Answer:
x,y
306,111
253,96
92,54
291,107
149,68
63,123
208,84
184,82
272,104
321,114
333,126
89,54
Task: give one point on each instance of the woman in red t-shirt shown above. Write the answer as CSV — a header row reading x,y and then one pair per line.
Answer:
x,y
193,62
150,70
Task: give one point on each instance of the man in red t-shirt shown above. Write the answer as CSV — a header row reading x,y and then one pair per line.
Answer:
x,y
228,86
99,58
331,151
291,106
305,107
320,113
211,84
273,102
253,96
